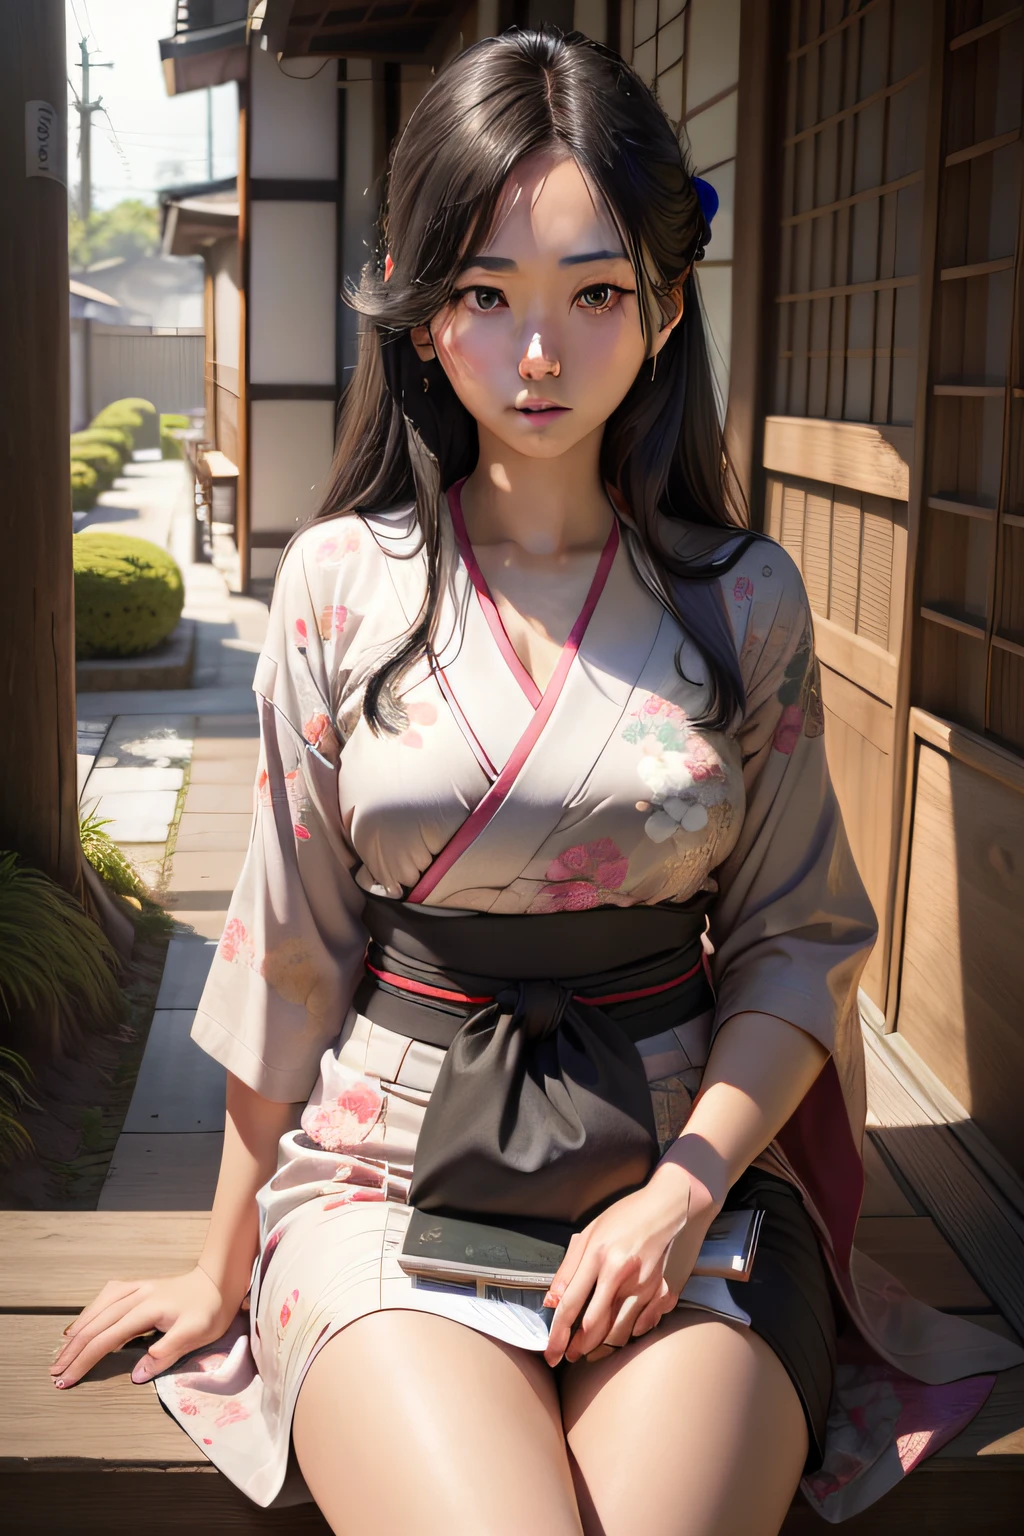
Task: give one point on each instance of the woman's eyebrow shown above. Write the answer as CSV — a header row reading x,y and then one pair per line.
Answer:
x,y
506,264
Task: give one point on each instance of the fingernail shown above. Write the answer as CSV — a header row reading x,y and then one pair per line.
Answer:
x,y
140,1373
59,1383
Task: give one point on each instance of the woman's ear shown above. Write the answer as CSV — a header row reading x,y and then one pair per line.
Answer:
x,y
675,298
421,340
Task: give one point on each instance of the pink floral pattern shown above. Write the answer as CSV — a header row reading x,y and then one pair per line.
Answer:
x,y
235,944
334,550
418,714
584,876
332,621
287,1307
743,589
301,635
341,1122
233,1412
658,721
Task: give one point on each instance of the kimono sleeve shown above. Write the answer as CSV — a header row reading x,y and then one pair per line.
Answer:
x,y
291,954
792,924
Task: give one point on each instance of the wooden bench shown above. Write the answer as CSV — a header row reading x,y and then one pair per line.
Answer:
x,y
84,1461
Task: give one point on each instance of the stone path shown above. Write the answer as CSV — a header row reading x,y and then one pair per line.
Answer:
x,y
173,770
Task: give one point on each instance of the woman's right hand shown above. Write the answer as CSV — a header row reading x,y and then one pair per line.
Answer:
x,y
189,1310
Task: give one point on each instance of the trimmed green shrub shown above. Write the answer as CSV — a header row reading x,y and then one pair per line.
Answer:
x,y
148,436
84,486
106,461
129,595
124,419
117,437
171,446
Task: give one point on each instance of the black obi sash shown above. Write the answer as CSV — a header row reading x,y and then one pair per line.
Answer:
x,y
541,1109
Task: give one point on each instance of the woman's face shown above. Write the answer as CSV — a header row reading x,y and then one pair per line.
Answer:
x,y
542,338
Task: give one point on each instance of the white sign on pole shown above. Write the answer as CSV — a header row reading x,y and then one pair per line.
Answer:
x,y
46,145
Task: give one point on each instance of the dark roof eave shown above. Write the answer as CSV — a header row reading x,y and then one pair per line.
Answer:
x,y
211,56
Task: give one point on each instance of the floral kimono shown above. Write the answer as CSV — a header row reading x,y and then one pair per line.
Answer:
x,y
499,797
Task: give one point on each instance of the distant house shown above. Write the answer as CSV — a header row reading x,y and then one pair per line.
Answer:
x,y
864,291
202,220
87,304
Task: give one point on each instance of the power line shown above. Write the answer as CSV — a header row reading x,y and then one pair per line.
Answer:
x,y
78,24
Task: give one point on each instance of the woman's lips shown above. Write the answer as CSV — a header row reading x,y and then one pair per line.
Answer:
x,y
541,408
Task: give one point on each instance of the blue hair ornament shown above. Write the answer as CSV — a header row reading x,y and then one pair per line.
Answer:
x,y
708,199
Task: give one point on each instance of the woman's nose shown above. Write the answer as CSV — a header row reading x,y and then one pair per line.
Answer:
x,y
537,362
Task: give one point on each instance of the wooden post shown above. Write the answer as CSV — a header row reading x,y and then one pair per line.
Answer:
x,y
38,792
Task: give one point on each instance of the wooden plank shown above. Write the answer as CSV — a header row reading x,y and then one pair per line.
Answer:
x,y
983,147
962,626
962,508
162,1172
971,1212
976,269
845,574
106,1417
58,1260
974,34
963,964
855,455
865,714
914,1250
857,658
883,1195
876,285
126,1503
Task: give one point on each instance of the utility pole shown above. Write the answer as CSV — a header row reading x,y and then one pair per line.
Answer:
x,y
85,109
209,133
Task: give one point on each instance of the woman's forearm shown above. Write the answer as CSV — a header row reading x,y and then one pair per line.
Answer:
x,y
758,1072
253,1126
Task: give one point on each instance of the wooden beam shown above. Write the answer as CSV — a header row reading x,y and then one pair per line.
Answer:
x,y
57,1261
855,455
755,243
38,790
840,649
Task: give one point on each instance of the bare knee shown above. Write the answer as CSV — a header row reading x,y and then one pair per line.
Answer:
x,y
696,1432
407,1421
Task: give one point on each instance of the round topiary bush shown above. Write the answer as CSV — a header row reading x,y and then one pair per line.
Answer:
x,y
128,595
106,461
84,487
171,425
138,415
117,437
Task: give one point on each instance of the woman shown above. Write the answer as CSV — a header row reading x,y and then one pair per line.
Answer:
x,y
533,703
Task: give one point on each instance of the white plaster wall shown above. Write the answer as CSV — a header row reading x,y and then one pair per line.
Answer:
x,y
294,134
292,288
291,443
226,303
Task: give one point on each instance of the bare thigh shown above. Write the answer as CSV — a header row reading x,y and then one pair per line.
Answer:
x,y
410,1422
693,1430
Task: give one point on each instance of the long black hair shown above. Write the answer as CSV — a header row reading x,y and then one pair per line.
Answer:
x,y
502,99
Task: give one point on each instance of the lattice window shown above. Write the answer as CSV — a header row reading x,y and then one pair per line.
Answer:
x,y
851,224
971,655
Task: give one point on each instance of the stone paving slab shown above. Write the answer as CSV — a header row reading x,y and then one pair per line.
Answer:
x,y
155,741
234,768
201,833
104,781
206,924
232,699
219,728
179,1087
163,1171
186,968
204,880
218,799
136,818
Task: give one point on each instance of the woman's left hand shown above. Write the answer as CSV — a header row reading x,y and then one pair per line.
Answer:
x,y
622,1258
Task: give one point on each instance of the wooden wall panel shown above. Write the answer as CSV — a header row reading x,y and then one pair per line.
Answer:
x,y
862,774
963,960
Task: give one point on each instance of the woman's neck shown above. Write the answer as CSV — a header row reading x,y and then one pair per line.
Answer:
x,y
546,506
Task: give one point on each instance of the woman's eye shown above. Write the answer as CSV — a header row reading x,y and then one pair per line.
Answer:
x,y
487,298
598,296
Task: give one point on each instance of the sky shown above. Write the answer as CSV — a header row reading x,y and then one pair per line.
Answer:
x,y
149,139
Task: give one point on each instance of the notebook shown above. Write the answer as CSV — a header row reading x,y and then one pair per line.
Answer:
x,y
527,1255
